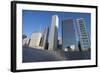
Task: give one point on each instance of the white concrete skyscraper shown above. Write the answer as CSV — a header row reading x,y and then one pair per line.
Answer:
x,y
53,33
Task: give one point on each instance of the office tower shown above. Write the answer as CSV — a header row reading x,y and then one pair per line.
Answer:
x,y
35,39
69,36
53,33
83,36
44,39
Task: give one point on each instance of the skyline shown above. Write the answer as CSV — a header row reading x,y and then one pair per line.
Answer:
x,y
40,19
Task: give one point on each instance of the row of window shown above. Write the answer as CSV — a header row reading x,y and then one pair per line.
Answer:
x,y
85,43
85,46
85,40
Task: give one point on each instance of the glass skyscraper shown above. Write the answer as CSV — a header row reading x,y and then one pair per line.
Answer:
x,y
68,35
83,36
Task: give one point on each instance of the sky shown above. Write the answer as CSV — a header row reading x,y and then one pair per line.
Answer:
x,y
35,21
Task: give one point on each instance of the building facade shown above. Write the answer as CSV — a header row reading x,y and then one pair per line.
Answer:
x,y
53,33
35,39
25,42
83,35
68,35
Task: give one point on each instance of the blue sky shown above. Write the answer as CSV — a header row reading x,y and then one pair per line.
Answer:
x,y
35,21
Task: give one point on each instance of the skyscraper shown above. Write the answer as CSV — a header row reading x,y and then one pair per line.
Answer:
x,y
68,35
83,36
44,39
53,33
